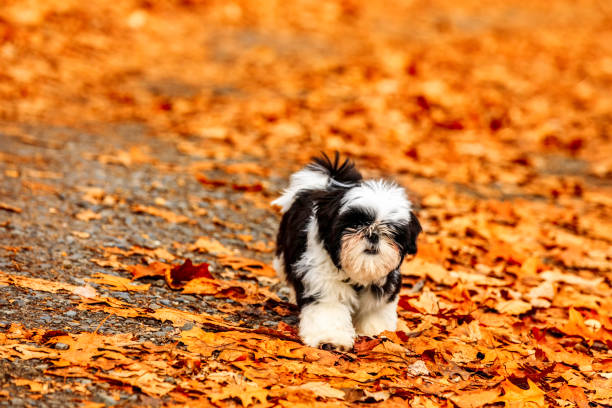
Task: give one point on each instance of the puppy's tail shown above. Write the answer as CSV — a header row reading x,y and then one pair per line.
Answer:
x,y
341,173
321,173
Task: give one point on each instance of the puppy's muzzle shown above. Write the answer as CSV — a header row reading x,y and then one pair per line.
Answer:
x,y
372,238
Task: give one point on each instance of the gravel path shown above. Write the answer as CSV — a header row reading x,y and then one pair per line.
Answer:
x,y
56,174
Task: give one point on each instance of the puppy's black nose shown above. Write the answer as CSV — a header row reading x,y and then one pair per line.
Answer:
x,y
372,238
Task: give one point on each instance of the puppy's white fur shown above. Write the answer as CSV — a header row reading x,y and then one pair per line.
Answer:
x,y
387,199
375,315
302,180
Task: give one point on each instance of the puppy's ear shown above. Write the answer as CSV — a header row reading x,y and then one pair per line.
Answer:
x,y
412,232
328,205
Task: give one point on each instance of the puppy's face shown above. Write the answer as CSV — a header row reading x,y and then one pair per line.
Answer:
x,y
376,229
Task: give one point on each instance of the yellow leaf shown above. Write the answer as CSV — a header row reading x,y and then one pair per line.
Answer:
x,y
427,303
87,215
475,399
516,397
248,393
118,283
34,386
209,245
162,213
322,389
513,307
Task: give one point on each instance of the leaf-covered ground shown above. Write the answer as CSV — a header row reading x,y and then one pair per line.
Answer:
x,y
142,141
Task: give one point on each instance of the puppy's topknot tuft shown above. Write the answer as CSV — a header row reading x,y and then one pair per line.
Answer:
x,y
344,172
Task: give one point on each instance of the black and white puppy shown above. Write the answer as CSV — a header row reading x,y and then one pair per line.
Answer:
x,y
340,244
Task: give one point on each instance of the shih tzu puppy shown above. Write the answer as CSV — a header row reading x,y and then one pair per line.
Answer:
x,y
340,245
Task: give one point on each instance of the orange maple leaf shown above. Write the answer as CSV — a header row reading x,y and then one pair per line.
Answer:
x,y
516,397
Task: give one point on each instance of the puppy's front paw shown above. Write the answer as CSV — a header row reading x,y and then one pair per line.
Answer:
x,y
373,324
340,338
324,324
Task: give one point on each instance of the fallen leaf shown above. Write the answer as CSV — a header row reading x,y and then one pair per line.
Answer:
x,y
428,303
160,212
576,326
545,290
556,276
474,399
118,283
82,235
210,182
248,393
43,284
86,291
417,369
362,395
180,274
513,307
321,389
150,383
88,215
515,396
251,265
261,246
155,269
209,245
575,395
112,262
34,386
8,207
419,267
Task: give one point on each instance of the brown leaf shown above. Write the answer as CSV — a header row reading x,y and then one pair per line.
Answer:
x,y
364,345
180,274
210,182
8,207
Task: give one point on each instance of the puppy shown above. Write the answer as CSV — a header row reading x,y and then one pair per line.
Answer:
x,y
340,244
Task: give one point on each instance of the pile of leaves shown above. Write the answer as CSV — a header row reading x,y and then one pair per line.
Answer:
x,y
496,117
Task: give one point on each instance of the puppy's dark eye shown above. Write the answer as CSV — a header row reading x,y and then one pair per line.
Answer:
x,y
352,228
356,218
